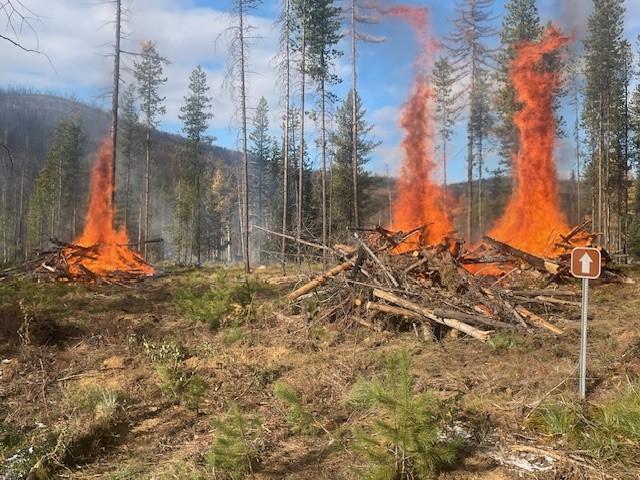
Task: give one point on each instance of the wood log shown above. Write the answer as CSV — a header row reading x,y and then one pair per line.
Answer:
x,y
477,319
425,312
540,263
390,309
319,280
537,320
377,260
546,293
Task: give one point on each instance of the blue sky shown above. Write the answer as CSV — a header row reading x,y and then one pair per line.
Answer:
x,y
75,34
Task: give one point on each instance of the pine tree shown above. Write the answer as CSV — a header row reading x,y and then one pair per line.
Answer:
x,y
300,12
446,112
285,44
342,146
482,123
406,440
472,58
520,24
323,37
148,72
195,114
361,13
57,187
259,154
129,144
604,112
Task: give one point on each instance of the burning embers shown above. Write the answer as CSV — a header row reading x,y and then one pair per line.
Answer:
x,y
100,253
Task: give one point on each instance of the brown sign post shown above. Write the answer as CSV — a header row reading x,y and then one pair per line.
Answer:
x,y
586,263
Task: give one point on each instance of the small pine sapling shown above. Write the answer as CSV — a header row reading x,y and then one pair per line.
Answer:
x,y
235,450
406,439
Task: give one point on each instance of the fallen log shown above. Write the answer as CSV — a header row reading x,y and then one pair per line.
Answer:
x,y
535,261
425,312
400,312
537,320
545,293
477,319
319,280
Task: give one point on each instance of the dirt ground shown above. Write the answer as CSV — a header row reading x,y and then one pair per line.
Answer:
x,y
59,343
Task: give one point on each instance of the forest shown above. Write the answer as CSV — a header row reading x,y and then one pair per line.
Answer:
x,y
357,239
191,196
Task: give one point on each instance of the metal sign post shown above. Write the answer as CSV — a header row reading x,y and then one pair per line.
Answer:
x,y
586,263
583,339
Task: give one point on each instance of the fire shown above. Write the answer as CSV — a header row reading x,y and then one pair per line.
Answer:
x,y
109,252
419,201
533,218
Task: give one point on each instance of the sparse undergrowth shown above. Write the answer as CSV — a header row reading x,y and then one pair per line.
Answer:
x,y
607,431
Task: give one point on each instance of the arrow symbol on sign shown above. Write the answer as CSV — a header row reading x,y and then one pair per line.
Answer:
x,y
586,263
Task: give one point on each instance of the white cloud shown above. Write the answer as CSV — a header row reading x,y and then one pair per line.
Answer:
x,y
76,36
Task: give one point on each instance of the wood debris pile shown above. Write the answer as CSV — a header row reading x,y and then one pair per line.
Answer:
x,y
381,286
68,262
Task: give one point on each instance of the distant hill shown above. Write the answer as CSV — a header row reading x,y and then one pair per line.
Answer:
x,y
27,119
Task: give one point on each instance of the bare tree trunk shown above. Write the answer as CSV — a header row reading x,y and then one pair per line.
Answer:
x,y
354,123
578,154
600,224
469,185
114,104
20,222
324,176
146,189
245,160
301,160
285,173
127,183
389,199
59,197
480,217
140,217
198,209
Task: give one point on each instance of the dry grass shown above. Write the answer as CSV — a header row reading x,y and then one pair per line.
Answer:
x,y
88,361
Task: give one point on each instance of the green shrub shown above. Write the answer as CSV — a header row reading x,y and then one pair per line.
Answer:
x,y
502,341
223,298
235,450
407,439
299,417
178,384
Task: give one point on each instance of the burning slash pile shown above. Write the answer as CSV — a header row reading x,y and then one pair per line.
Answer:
x,y
432,289
101,253
424,277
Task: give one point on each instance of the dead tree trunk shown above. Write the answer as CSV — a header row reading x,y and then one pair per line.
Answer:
x,y
245,160
354,123
285,172
114,102
301,160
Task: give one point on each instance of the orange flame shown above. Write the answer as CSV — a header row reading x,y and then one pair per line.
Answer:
x,y
419,200
110,252
533,218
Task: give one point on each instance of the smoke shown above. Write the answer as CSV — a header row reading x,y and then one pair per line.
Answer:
x,y
572,16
